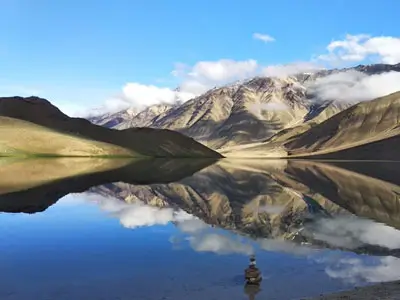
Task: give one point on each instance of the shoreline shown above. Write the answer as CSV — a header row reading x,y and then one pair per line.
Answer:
x,y
383,291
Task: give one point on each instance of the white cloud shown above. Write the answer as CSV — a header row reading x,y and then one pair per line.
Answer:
x,y
224,69
258,108
204,75
273,106
195,87
182,216
355,270
204,238
352,232
192,226
290,69
142,215
353,86
195,80
272,209
284,246
263,37
139,96
133,215
111,105
146,95
179,70
220,244
356,48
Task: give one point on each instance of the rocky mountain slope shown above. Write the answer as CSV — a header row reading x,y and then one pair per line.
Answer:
x,y
144,118
259,110
368,130
111,120
131,117
270,199
33,126
362,123
239,114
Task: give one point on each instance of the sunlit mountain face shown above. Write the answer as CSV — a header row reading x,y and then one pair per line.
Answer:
x,y
285,115
179,229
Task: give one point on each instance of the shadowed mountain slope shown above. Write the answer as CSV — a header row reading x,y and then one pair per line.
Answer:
x,y
44,181
360,124
135,141
368,130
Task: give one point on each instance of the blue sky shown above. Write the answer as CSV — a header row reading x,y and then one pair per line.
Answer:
x,y
84,52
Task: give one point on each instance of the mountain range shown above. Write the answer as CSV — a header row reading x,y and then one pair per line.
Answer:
x,y
301,202
302,116
295,201
252,195
280,117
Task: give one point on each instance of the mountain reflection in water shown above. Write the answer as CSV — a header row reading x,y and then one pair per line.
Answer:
x,y
315,227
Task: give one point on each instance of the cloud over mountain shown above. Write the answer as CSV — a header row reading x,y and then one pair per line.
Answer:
x,y
290,69
354,86
207,74
195,79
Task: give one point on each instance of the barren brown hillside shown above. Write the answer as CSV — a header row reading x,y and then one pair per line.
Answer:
x,y
133,141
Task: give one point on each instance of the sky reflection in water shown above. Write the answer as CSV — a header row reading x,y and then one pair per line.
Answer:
x,y
87,246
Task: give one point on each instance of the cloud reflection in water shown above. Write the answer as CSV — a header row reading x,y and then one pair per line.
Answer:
x,y
342,231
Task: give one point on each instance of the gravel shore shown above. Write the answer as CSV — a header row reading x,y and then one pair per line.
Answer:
x,y
381,291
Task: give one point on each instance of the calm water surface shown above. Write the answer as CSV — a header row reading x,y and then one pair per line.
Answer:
x,y
314,228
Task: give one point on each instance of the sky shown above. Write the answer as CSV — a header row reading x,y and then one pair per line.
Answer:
x,y
98,227
86,54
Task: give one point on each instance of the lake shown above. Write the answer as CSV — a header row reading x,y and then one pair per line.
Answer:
x,y
80,228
